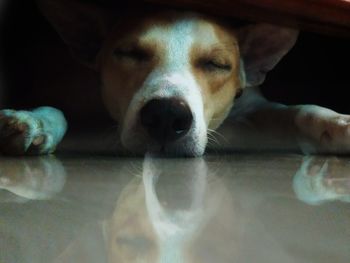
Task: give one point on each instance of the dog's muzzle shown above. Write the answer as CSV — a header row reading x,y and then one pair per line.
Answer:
x,y
166,120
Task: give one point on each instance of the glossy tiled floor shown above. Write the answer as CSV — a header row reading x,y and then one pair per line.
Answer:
x,y
238,208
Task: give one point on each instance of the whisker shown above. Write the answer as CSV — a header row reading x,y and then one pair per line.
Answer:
x,y
213,132
212,140
135,169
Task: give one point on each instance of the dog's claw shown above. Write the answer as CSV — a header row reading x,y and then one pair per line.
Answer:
x,y
26,132
38,140
18,132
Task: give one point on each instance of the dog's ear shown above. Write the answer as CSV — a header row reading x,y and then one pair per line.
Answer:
x,y
82,26
262,46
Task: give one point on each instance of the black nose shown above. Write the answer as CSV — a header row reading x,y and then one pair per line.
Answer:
x,y
166,120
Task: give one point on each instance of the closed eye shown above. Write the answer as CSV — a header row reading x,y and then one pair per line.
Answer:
x,y
213,65
135,54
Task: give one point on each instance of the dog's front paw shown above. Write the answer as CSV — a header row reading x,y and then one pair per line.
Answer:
x,y
21,132
323,130
30,132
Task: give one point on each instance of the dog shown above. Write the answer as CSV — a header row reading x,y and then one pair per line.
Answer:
x,y
170,78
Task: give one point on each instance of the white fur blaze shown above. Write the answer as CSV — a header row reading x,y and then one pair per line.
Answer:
x,y
171,78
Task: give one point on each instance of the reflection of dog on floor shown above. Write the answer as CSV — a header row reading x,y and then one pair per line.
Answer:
x,y
319,181
32,179
170,79
154,221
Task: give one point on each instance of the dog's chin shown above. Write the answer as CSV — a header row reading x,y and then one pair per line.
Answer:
x,y
183,148
174,150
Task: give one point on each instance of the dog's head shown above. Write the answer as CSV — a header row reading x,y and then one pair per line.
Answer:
x,y
168,77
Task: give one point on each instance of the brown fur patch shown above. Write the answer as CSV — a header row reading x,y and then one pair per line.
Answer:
x,y
122,78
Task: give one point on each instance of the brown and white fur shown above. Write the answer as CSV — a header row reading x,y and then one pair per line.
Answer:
x,y
195,62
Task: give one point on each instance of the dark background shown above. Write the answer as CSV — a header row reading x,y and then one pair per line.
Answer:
x,y
39,70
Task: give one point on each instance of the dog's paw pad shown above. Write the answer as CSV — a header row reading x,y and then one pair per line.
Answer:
x,y
22,133
328,131
335,132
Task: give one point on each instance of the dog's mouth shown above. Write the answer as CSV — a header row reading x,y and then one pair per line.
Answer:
x,y
185,147
177,150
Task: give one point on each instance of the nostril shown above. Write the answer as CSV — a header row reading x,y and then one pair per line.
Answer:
x,y
166,119
181,125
